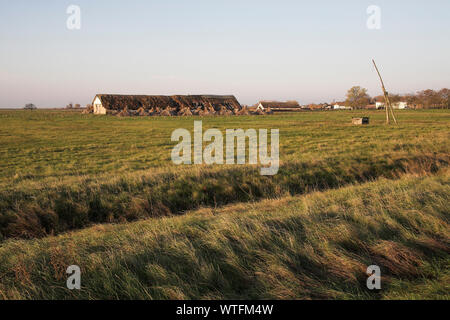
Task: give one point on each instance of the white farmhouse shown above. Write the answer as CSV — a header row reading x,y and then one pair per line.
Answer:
x,y
379,105
398,105
341,106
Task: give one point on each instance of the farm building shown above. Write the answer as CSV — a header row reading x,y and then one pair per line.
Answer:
x,y
396,105
379,105
341,106
275,106
165,105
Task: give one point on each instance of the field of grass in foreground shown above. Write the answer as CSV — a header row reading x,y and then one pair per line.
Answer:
x,y
62,170
315,246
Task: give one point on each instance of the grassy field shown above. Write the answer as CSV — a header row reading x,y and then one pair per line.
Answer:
x,y
55,144
345,196
315,246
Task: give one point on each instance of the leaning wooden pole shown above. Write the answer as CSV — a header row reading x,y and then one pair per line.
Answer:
x,y
387,101
392,111
384,92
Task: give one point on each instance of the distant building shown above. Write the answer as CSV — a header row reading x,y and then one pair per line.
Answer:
x,y
113,103
400,105
313,106
276,106
379,102
397,105
379,105
341,106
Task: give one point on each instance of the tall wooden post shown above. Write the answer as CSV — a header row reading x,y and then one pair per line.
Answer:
x,y
387,102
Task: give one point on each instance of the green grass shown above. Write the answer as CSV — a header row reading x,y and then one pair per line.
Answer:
x,y
55,144
345,197
64,170
315,246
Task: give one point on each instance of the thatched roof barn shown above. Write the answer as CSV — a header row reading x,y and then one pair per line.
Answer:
x,y
164,105
277,106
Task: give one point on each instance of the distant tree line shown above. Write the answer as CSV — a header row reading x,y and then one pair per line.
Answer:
x,y
72,106
357,98
429,99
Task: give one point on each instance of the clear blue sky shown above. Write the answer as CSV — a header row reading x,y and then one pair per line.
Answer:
x,y
304,50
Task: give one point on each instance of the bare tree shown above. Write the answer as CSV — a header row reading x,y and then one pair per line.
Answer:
x,y
357,97
429,98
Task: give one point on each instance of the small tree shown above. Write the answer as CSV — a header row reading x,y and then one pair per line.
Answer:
x,y
30,106
357,97
445,97
69,106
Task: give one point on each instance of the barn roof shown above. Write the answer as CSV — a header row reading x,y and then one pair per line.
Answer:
x,y
278,104
135,102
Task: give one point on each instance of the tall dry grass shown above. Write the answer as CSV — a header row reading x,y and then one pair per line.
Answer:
x,y
315,246
47,209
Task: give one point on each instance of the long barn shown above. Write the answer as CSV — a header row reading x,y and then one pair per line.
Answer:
x,y
277,106
177,104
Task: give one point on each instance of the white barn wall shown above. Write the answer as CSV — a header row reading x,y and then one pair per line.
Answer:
x,y
98,106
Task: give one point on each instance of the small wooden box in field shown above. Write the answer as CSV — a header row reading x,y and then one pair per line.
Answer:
x,y
360,121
